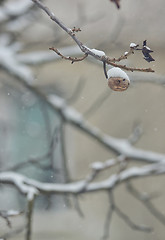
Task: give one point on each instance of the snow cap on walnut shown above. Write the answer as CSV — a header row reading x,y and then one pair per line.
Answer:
x,y
117,72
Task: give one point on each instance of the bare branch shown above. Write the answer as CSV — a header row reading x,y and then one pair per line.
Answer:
x,y
130,223
77,206
72,59
7,214
146,200
13,233
108,216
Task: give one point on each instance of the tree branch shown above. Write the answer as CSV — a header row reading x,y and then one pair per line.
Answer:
x,y
26,185
99,55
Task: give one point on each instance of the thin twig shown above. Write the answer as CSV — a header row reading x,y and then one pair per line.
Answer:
x,y
146,201
7,214
64,162
132,69
108,219
14,232
130,223
77,206
123,57
72,59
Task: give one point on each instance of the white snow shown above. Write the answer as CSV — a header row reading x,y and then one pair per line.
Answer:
x,y
97,165
125,53
132,45
147,48
97,52
72,115
117,72
12,213
57,101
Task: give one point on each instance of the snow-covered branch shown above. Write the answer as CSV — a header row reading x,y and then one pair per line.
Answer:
x,y
28,186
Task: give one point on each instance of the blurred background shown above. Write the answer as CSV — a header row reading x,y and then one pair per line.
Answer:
x,y
29,127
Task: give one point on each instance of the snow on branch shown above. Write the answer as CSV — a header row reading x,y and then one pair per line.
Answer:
x,y
28,186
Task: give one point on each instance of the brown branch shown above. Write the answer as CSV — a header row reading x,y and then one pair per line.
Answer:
x,y
132,69
123,57
82,47
72,59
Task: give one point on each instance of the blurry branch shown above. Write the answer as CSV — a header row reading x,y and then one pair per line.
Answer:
x,y
99,55
10,10
12,233
130,223
115,209
28,186
136,134
120,146
30,198
145,199
8,214
77,206
108,217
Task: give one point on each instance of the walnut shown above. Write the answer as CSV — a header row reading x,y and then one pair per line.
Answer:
x,y
118,83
